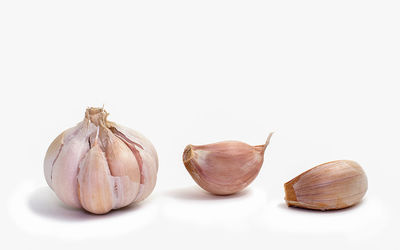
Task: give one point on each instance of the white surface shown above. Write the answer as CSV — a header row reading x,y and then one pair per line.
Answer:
x,y
323,75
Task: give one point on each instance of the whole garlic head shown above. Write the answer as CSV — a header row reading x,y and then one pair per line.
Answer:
x,y
99,165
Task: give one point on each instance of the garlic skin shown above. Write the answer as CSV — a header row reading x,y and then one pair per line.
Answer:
x,y
224,168
332,185
99,165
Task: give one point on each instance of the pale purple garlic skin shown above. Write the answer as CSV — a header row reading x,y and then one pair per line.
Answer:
x,y
99,165
226,167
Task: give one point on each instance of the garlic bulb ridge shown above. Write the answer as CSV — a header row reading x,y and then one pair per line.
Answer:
x,y
99,165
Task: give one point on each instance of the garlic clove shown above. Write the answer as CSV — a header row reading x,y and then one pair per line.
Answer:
x,y
224,168
122,163
145,154
332,185
125,191
51,156
149,177
95,188
65,168
120,158
133,135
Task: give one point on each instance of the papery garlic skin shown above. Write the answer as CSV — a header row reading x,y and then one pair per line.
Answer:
x,y
332,185
99,165
224,168
148,156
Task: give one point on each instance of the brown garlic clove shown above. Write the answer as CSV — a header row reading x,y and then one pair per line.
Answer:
x,y
224,168
332,185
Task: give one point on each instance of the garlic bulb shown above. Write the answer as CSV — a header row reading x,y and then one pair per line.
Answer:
x,y
99,165
224,168
332,185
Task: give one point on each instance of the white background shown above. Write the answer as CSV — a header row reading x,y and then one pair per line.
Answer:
x,y
323,75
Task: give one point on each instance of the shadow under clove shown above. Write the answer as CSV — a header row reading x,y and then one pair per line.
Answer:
x,y
194,193
45,203
283,205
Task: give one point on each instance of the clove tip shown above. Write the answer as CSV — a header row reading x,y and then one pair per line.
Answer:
x,y
187,154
